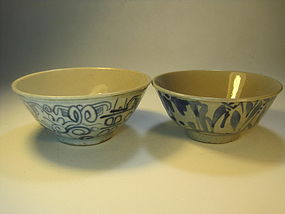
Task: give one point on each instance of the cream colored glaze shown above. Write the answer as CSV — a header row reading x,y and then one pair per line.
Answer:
x,y
218,84
82,106
99,89
80,82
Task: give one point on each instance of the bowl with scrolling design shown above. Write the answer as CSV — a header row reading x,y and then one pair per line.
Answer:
x,y
82,106
216,106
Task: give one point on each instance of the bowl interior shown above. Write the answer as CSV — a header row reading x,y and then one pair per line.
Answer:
x,y
218,84
80,82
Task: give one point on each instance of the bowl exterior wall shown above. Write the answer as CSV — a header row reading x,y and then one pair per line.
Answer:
x,y
84,120
214,118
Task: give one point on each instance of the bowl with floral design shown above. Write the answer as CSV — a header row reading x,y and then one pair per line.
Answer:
x,y
216,106
82,106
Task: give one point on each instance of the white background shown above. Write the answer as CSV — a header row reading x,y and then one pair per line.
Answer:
x,y
150,166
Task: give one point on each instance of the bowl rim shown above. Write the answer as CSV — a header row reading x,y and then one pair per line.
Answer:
x,y
217,99
78,97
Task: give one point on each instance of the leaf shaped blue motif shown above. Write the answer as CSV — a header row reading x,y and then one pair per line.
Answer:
x,y
256,108
226,115
180,104
200,111
219,112
194,106
235,119
202,116
166,103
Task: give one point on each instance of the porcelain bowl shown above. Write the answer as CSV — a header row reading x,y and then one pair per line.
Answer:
x,y
216,106
82,106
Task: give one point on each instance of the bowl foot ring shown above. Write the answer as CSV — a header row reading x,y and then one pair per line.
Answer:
x,y
85,142
212,138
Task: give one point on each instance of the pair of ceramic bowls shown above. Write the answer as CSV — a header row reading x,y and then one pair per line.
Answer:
x,y
85,106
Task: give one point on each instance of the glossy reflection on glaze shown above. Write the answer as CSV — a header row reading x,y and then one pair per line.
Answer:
x,y
218,84
216,106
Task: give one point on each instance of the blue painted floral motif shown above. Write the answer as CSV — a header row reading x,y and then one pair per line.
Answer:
x,y
199,118
84,121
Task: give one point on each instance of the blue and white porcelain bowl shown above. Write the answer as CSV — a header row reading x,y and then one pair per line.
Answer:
x,y
82,106
216,106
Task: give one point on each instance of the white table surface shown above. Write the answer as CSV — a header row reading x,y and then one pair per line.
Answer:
x,y
149,167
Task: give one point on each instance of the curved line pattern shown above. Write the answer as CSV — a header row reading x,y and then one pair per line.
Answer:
x,y
83,121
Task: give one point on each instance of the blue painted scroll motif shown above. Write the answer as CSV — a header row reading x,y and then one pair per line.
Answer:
x,y
236,115
84,121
